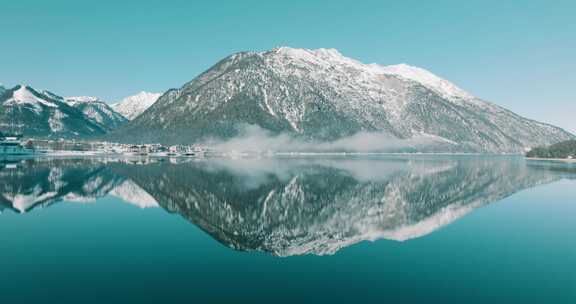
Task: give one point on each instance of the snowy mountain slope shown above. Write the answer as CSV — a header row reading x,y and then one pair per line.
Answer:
x,y
132,106
43,114
424,77
98,111
320,95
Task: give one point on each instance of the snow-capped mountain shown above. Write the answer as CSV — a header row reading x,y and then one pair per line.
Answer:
x,y
321,95
43,114
2,89
132,106
98,111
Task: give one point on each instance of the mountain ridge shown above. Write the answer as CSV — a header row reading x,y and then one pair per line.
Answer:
x,y
98,111
320,95
41,113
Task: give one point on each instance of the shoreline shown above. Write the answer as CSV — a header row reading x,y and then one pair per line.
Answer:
x,y
233,153
564,160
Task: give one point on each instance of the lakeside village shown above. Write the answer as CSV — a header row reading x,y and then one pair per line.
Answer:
x,y
16,145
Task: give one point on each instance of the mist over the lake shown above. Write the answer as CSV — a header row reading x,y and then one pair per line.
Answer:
x,y
253,138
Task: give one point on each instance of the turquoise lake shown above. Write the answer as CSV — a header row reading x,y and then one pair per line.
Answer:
x,y
380,229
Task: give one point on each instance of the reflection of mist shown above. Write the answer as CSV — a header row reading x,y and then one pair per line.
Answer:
x,y
380,170
250,172
254,138
256,172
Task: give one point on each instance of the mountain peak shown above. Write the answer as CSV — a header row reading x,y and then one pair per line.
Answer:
x,y
132,106
321,57
97,110
43,114
426,78
301,52
24,94
145,95
328,58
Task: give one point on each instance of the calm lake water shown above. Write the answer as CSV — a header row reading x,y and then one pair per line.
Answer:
x,y
351,230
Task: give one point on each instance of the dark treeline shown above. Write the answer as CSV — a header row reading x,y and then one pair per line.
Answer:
x,y
565,149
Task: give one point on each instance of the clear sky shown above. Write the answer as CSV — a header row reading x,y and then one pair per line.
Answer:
x,y
518,54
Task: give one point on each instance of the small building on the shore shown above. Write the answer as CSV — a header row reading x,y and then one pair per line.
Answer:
x,y
134,149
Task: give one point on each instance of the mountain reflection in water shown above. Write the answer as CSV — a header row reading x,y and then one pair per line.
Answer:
x,y
286,206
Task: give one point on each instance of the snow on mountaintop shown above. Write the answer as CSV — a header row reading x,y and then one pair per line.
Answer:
x,y
332,57
45,114
444,87
25,95
319,57
331,67
97,110
72,100
313,55
132,106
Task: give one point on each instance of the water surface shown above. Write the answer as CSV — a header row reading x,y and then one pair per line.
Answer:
x,y
380,229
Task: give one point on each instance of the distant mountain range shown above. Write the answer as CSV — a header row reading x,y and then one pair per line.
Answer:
x,y
312,96
34,113
44,114
320,95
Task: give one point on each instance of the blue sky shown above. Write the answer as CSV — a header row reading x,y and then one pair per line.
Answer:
x,y
518,54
